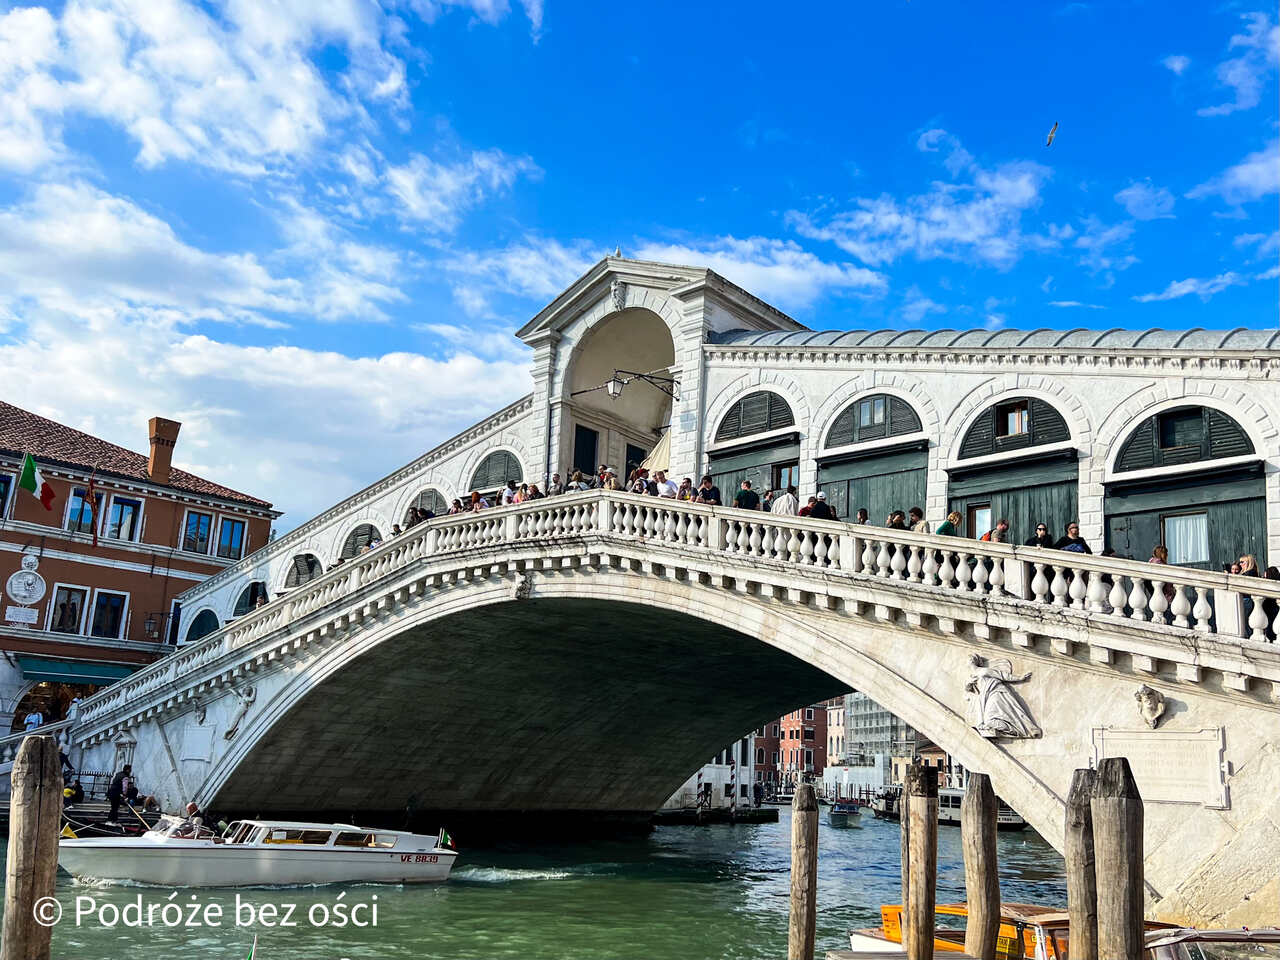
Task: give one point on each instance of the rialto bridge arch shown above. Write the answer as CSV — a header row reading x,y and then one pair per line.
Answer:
x,y
335,688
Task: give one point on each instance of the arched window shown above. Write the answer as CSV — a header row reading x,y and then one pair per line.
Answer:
x,y
1183,435
1013,425
873,418
359,538
249,598
426,500
303,569
205,623
495,470
755,413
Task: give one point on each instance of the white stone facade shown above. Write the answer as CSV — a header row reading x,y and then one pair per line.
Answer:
x,y
1103,385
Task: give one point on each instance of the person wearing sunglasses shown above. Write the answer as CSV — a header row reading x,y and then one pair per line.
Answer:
x,y
1042,538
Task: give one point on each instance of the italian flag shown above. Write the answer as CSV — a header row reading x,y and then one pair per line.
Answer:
x,y
35,484
444,840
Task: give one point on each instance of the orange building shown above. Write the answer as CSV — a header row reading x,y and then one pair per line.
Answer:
x,y
75,615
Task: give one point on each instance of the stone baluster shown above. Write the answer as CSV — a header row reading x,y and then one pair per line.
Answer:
x,y
914,564
650,525
1180,606
793,545
1118,596
668,525
1159,602
682,528
899,561
947,573
806,548
744,538
883,559
1203,610
756,541
929,568
964,573
1137,599
1078,588
1040,584
779,549
868,556
1059,586
980,574
996,578
1258,621
1097,592
820,550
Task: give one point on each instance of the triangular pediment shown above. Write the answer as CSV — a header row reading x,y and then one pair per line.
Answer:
x,y
683,282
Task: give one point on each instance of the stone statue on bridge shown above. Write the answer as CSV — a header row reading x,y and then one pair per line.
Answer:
x,y
995,710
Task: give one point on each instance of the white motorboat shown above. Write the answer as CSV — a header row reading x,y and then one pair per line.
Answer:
x,y
178,853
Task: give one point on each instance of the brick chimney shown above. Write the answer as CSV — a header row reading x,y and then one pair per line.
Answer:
x,y
164,434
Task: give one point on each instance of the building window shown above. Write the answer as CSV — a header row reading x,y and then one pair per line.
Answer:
x,y
1180,428
195,535
775,758
808,713
108,614
231,539
775,730
809,733
66,613
760,755
808,759
6,485
1187,538
786,475
80,513
122,521
1013,419
871,411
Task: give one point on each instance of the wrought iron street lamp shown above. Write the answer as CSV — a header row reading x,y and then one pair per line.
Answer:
x,y
615,384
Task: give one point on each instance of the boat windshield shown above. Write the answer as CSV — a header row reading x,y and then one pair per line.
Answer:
x,y
178,828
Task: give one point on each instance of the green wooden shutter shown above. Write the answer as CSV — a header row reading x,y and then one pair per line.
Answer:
x,y
902,417
1047,425
755,413
842,431
1226,437
980,439
358,539
1139,451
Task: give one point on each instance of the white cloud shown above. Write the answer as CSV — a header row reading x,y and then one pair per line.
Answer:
x,y
1246,74
1146,202
435,194
1204,289
1096,243
534,268
1254,177
1177,63
1269,274
916,306
780,271
1265,244
315,411
1077,304
235,87
979,220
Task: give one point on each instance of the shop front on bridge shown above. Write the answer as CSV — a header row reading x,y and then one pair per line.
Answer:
x,y
875,456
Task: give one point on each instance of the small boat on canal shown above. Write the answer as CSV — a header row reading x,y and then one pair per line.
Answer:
x,y
1027,932
887,805
183,853
843,813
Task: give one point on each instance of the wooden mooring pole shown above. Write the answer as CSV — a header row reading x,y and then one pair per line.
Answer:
x,y
35,817
802,930
921,795
1082,885
981,869
1116,807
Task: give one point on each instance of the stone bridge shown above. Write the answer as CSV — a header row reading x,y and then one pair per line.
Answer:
x,y
585,653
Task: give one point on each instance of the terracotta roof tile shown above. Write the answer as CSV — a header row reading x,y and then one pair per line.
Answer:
x,y
24,432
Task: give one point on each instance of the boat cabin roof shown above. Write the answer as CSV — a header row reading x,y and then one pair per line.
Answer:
x,y
306,825
1024,912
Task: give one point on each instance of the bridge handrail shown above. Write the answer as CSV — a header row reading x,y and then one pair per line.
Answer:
x,y
1229,606
10,743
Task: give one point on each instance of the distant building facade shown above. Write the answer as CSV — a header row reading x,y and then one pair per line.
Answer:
x,y
93,614
874,731
728,779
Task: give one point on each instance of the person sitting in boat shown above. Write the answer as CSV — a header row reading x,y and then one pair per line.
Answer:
x,y
120,785
192,823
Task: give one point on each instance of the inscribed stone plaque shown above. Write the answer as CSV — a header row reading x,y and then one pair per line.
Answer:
x,y
1170,766
20,614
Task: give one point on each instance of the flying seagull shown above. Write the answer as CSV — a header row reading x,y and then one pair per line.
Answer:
x,y
1052,133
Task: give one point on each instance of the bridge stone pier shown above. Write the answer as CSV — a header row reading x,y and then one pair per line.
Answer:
x,y
586,652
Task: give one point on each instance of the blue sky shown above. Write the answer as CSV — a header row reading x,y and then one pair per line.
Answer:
x,y
308,229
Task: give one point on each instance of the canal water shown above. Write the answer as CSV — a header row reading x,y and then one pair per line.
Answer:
x,y
684,893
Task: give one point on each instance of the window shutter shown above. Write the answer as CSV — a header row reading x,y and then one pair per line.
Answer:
x,y
305,569
1139,451
902,417
358,539
1047,425
980,439
842,431
753,414
1226,437
495,470
780,415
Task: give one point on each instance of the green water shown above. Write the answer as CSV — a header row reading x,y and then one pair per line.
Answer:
x,y
684,893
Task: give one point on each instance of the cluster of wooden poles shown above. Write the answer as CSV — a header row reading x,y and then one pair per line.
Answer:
x,y
1103,855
